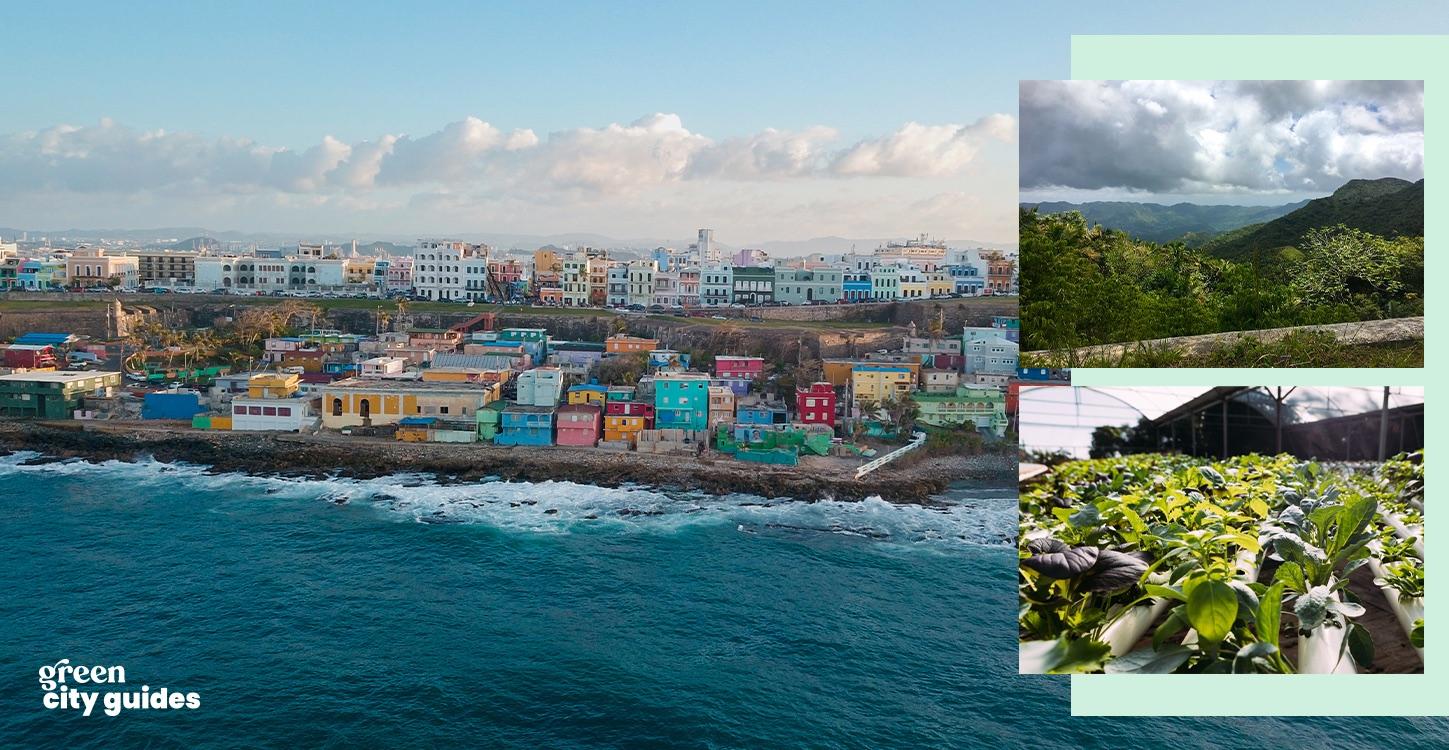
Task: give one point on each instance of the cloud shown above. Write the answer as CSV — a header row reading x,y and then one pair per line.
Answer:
x,y
473,154
1194,137
917,150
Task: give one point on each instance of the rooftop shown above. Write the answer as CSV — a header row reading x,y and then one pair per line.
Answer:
x,y
405,385
45,376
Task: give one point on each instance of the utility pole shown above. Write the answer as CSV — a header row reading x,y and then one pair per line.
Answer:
x,y
1384,427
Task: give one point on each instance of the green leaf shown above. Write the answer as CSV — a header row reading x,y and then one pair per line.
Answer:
x,y
1360,645
1291,574
1150,660
1212,606
1174,623
1065,655
1270,614
1165,592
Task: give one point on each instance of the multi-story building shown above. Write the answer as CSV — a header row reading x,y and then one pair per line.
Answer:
x,y
881,383
913,282
923,249
716,286
967,279
753,285
738,373
541,386
617,294
439,273
666,289
1000,272
53,395
547,270
166,268
855,286
796,286
815,404
94,267
681,401
705,251
689,286
750,257
400,274
623,344
641,282
991,358
574,281
885,283
984,407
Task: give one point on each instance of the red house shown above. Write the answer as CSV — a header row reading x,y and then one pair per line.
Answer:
x,y
816,404
29,356
578,424
742,368
631,409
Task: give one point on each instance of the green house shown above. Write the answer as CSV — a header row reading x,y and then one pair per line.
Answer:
x,y
985,407
489,419
53,395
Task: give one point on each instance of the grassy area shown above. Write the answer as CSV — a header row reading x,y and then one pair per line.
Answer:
x,y
1297,349
23,305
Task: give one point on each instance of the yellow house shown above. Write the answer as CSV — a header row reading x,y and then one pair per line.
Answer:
x,y
624,427
363,403
273,385
883,382
940,284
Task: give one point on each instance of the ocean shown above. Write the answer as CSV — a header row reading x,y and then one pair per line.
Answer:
x,y
399,613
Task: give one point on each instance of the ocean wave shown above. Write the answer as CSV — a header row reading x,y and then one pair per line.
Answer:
x,y
985,517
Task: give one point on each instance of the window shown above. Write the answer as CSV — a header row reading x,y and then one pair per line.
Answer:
x,y
254,410
284,411
269,411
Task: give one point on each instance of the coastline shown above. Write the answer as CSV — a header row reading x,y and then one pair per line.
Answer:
x,y
290,454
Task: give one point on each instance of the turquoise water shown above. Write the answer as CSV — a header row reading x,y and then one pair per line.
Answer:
x,y
395,613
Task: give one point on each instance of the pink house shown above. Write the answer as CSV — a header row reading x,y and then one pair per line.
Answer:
x,y
578,424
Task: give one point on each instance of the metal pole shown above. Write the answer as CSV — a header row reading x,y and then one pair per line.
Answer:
x,y
1225,428
1384,427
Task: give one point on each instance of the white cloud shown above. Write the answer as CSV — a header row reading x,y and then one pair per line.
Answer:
x,y
1201,137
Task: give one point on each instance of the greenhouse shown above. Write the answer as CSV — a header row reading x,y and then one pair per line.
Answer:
x,y
1221,530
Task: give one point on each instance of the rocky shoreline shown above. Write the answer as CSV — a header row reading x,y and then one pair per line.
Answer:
x,y
816,478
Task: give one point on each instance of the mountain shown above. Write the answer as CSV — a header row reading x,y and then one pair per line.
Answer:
x,y
1154,222
1387,207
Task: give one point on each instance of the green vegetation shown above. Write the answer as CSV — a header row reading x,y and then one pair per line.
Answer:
x,y
1216,561
1387,207
1297,349
1154,222
1085,285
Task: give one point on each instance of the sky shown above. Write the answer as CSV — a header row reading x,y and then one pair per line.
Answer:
x,y
763,120
1245,142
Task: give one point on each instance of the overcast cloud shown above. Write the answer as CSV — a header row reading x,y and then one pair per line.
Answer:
x,y
1222,141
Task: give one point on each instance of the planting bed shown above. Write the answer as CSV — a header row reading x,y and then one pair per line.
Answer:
x,y
1255,564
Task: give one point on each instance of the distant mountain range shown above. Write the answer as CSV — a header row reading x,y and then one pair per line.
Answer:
x,y
1154,222
187,238
1388,207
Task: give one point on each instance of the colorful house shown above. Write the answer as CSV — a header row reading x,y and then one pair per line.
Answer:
x,y
273,385
53,395
985,407
681,401
171,405
621,393
757,411
588,393
721,405
939,381
816,404
738,372
521,424
541,386
621,343
624,420
881,383
579,424
275,414
489,420
355,402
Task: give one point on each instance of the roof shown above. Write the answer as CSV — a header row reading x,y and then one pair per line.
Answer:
x,y
44,339
57,376
388,384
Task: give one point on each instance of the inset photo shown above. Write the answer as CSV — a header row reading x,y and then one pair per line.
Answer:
x,y
1222,223
1227,530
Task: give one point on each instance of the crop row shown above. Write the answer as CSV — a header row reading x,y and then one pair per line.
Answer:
x,y
1219,560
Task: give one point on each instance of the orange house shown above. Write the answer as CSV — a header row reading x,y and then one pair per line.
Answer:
x,y
622,344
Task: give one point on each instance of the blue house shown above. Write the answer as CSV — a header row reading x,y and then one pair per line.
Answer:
x,y
526,425
171,405
761,413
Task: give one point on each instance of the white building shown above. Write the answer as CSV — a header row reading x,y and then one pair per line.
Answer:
x,y
618,286
706,252
272,414
439,271
641,282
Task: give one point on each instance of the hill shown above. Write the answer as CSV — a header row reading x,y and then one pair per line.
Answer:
x,y
1388,207
1155,222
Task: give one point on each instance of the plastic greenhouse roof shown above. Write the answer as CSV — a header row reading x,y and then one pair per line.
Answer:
x,y
1057,418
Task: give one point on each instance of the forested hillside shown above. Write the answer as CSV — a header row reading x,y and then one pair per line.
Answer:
x,y
1155,222
1083,284
1386,207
